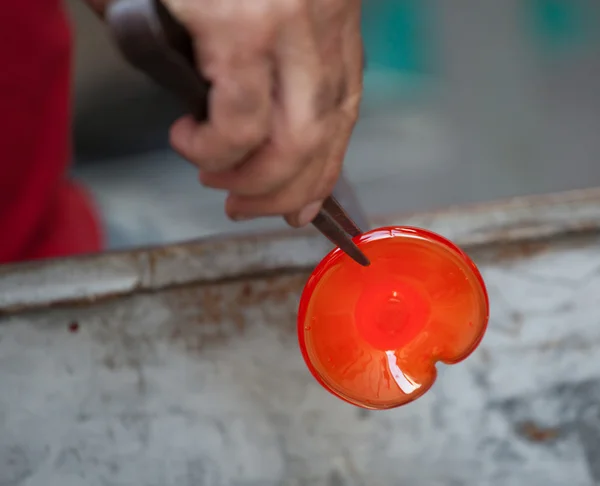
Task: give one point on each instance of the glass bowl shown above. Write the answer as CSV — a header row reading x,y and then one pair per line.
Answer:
x,y
373,335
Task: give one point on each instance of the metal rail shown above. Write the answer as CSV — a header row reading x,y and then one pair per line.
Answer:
x,y
96,277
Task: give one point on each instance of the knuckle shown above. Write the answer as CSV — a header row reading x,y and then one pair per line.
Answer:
x,y
351,105
249,101
245,135
305,142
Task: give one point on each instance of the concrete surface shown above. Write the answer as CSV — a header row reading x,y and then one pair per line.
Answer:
x,y
203,383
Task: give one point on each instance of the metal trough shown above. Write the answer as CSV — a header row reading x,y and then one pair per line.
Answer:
x,y
178,366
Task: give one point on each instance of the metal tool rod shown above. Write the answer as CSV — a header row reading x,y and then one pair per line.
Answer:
x,y
335,224
346,196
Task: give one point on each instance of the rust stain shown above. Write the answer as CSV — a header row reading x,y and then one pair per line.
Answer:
x,y
209,315
514,239
138,289
534,433
246,291
526,249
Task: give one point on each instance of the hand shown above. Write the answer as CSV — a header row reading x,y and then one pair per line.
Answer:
x,y
286,87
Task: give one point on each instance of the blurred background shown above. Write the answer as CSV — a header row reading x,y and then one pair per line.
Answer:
x,y
465,101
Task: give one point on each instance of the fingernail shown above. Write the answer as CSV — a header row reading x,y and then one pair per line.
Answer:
x,y
308,213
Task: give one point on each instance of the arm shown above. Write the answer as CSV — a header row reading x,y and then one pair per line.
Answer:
x,y
286,81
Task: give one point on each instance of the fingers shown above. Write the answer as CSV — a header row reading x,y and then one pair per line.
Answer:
x,y
332,171
309,188
304,99
301,198
286,79
231,47
267,171
240,117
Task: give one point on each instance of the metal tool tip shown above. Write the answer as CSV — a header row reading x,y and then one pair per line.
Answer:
x,y
360,258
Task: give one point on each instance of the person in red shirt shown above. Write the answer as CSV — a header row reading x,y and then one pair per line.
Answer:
x,y
286,86
42,212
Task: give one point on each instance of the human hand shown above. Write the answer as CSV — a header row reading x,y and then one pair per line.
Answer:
x,y
286,80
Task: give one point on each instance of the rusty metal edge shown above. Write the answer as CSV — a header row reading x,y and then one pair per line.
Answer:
x,y
87,279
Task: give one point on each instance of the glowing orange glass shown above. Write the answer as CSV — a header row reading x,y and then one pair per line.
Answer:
x,y
372,335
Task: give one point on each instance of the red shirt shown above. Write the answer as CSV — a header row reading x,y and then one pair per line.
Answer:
x,y
42,213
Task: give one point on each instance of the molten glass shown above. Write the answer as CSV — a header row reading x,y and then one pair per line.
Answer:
x,y
372,335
